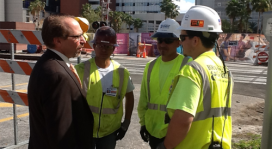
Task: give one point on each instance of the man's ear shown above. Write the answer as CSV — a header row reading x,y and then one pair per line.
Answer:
x,y
57,41
196,41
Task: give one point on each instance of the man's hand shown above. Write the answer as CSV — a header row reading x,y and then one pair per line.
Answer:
x,y
122,130
144,134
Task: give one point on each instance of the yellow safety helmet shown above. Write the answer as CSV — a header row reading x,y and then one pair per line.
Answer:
x,y
84,23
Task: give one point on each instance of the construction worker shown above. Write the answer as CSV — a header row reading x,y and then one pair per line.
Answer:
x,y
200,98
105,83
157,78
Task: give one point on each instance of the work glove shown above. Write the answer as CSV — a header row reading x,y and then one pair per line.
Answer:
x,y
161,146
144,133
120,133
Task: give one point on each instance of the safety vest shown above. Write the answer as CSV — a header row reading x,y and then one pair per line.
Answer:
x,y
213,108
107,110
157,99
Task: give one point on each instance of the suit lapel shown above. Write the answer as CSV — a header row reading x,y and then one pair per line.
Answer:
x,y
63,64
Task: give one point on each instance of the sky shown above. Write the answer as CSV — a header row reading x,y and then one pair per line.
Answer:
x,y
185,5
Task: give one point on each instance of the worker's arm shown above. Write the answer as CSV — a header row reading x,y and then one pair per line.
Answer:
x,y
178,128
142,105
129,105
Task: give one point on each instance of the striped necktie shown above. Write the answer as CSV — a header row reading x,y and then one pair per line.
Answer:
x,y
72,68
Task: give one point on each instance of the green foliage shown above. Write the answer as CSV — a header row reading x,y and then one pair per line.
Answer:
x,y
254,142
233,8
128,19
226,26
35,8
116,20
90,14
242,9
169,8
138,23
261,6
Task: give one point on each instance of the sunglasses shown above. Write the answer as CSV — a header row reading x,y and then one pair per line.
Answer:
x,y
166,40
183,37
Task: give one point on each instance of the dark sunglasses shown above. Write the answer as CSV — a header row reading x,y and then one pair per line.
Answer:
x,y
166,40
183,37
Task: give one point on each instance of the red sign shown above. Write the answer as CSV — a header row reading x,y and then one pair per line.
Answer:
x,y
197,23
263,56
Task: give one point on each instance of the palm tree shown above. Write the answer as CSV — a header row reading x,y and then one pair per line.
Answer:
x,y
116,20
260,6
248,12
232,9
128,20
169,8
35,8
225,26
138,23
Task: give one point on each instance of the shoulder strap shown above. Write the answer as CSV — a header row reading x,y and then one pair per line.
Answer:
x,y
151,65
121,71
184,61
86,76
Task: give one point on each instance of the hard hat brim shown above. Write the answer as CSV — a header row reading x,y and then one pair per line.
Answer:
x,y
200,30
116,45
163,35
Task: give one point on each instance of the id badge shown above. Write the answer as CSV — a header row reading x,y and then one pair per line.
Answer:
x,y
111,91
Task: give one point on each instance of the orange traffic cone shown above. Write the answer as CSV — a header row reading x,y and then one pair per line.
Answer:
x,y
138,55
128,53
144,54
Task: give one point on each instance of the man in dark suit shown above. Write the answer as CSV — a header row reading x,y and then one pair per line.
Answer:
x,y
60,117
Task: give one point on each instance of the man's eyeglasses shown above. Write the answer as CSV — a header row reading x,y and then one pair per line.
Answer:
x,y
104,46
76,37
183,37
166,40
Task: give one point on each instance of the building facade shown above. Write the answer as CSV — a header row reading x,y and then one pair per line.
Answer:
x,y
148,11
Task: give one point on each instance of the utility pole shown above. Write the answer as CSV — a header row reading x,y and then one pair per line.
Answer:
x,y
105,10
267,123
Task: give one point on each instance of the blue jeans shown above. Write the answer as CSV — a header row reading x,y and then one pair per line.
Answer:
x,y
107,142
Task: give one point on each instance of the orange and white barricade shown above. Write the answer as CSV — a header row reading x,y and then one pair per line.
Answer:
x,y
15,67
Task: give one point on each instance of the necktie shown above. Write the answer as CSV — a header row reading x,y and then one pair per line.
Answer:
x,y
72,68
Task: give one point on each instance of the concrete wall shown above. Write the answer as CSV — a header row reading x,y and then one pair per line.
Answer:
x,y
14,11
2,10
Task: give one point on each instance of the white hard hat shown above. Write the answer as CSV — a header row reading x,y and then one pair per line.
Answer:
x,y
201,18
84,23
167,29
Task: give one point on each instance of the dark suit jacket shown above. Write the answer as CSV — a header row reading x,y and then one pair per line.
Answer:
x,y
60,117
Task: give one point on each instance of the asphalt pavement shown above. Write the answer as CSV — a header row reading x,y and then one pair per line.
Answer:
x,y
249,86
